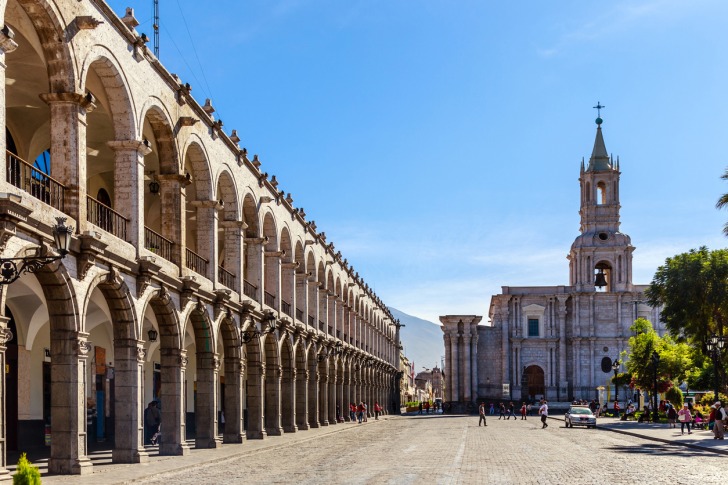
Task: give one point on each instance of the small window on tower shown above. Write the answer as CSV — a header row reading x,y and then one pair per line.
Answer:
x,y
601,193
533,327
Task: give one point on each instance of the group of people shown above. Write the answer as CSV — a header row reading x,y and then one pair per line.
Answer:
x,y
506,413
359,412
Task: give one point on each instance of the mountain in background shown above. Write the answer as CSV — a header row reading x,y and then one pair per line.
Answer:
x,y
422,340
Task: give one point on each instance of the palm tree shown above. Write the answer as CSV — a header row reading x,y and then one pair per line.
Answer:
x,y
723,201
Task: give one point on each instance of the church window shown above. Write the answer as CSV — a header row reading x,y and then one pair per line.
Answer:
x,y
533,327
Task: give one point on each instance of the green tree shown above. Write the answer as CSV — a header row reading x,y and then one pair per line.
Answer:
x,y
692,289
675,357
723,201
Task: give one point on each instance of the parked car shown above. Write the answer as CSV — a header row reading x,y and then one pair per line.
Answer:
x,y
580,416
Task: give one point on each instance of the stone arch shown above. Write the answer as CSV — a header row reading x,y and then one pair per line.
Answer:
x,y
199,208
207,370
197,164
534,380
231,392
50,28
227,193
155,112
271,262
287,273
125,322
251,216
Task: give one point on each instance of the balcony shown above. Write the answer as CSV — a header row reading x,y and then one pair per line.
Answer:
x,y
196,263
158,244
250,290
225,277
269,299
286,308
105,218
35,182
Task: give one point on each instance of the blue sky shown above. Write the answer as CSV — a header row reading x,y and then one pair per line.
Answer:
x,y
438,143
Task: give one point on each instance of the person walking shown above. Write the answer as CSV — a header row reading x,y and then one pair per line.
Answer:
x,y
685,418
544,412
377,410
671,417
352,412
502,411
366,412
524,410
511,408
481,412
420,408
492,409
721,416
152,420
360,412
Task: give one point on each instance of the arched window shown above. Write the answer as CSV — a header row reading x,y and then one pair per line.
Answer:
x,y
601,193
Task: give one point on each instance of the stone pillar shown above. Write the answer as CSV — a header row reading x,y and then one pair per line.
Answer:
x,y
233,253
563,384
207,217
174,220
302,400
323,395
7,45
272,277
301,292
313,395
253,264
129,187
256,377
333,382
5,336
288,287
273,396
288,400
69,356
313,304
455,371
449,367
208,366
474,363
465,358
234,398
173,428
128,402
68,150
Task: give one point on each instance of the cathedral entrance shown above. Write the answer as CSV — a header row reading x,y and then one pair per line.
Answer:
x,y
534,381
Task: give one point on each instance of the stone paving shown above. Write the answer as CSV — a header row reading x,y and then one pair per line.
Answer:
x,y
436,449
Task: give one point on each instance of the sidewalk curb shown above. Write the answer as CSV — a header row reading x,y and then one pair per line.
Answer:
x,y
661,440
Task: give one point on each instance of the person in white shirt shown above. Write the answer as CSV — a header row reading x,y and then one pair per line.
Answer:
x,y
544,412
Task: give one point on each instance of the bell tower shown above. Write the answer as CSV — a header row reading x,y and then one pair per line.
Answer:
x,y
601,257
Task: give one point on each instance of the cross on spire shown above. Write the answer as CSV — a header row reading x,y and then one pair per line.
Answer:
x,y
599,108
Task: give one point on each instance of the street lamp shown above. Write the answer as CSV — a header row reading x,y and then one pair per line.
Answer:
x,y
615,368
9,270
655,362
714,345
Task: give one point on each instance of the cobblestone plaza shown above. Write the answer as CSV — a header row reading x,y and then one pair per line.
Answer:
x,y
441,449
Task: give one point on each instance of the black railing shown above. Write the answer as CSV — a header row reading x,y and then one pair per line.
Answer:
x,y
37,183
286,307
196,263
158,244
311,321
225,277
250,290
269,299
321,325
105,217
299,314
331,330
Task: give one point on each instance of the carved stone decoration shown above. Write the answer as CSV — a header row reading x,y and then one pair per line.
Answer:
x,y
91,249
216,363
189,287
187,121
7,44
84,347
113,277
182,361
163,295
141,354
6,335
87,22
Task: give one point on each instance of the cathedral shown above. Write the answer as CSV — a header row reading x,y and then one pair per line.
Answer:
x,y
557,342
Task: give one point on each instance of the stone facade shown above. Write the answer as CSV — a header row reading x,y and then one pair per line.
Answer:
x,y
556,342
192,279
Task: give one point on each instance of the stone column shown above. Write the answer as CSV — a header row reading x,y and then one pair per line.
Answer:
x,y
68,150
174,220
333,383
129,187
234,398
7,45
313,396
301,292
302,400
288,400
455,371
288,287
207,218
256,376
563,384
208,366
312,310
173,428
465,358
254,259
5,336
272,277
449,365
69,356
273,396
233,253
474,363
323,396
128,402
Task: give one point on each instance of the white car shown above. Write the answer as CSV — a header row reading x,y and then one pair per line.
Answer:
x,y
580,416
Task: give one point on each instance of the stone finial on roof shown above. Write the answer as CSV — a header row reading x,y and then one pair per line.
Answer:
x,y
129,20
208,107
234,137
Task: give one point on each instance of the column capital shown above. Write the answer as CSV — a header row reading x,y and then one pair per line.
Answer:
x,y
81,100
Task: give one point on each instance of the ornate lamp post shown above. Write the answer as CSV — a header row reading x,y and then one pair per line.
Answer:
x,y
13,268
715,344
615,368
655,362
